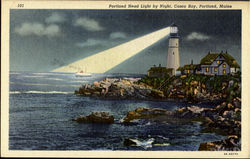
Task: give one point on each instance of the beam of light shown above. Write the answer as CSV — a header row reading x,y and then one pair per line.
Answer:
x,y
108,59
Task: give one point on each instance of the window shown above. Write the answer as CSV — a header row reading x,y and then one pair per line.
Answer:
x,y
215,69
224,65
218,62
224,72
207,69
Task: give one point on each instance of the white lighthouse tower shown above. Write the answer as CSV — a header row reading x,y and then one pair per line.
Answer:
x,y
173,60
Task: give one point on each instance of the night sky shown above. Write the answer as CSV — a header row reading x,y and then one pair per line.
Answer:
x,y
43,40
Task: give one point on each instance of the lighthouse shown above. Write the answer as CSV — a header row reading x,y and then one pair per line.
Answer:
x,y
173,59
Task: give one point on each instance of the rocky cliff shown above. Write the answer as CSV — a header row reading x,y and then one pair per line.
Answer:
x,y
126,88
194,88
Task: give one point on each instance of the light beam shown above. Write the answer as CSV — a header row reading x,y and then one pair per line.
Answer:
x,y
107,59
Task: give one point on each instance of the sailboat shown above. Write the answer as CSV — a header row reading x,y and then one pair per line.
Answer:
x,y
83,74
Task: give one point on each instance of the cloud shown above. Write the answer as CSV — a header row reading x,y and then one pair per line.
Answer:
x,y
88,24
118,35
104,42
55,18
91,42
52,30
38,29
197,36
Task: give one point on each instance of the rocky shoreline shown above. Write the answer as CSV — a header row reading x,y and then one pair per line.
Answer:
x,y
117,88
225,119
131,88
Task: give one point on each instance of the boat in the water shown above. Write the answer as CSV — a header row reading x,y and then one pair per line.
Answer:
x,y
83,74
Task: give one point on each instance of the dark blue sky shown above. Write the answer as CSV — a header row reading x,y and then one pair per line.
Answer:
x,y
42,40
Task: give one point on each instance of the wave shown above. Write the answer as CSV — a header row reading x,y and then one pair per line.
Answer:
x,y
14,73
165,138
33,76
163,144
145,144
148,123
15,92
43,73
40,92
34,84
79,81
55,79
42,84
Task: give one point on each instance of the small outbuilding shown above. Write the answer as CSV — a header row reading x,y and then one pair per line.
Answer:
x,y
160,71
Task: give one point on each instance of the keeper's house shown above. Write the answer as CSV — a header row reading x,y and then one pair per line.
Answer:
x,y
213,64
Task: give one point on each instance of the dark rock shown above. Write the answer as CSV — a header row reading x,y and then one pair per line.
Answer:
x,y
145,113
208,146
229,114
230,106
129,142
208,112
221,108
189,112
237,102
96,117
232,143
207,121
157,94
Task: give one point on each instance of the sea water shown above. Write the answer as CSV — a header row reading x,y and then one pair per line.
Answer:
x,y
42,106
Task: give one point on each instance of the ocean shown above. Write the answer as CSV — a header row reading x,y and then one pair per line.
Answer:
x,y
42,106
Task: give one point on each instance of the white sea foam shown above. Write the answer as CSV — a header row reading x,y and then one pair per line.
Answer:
x,y
165,138
163,144
148,123
121,120
15,92
145,143
54,79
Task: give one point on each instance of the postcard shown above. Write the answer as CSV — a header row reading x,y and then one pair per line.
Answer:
x,y
125,79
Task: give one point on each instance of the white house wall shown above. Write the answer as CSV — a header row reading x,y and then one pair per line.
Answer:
x,y
203,69
220,69
173,60
234,70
